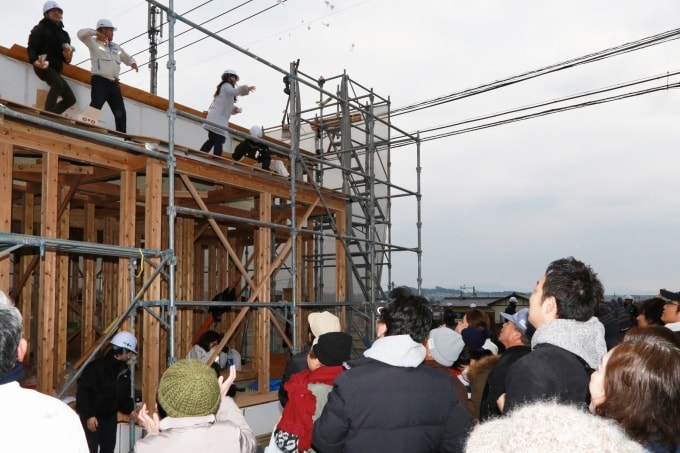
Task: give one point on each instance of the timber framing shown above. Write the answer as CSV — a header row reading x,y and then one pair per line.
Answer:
x,y
74,182
109,231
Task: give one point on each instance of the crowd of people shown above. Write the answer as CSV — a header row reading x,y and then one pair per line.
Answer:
x,y
554,385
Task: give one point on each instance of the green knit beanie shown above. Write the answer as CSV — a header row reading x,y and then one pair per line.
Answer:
x,y
189,388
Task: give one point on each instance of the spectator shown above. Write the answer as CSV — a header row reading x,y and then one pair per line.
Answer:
x,y
319,324
195,413
638,386
30,420
221,109
548,426
609,314
650,312
104,389
49,48
569,340
477,375
516,337
442,348
308,392
106,56
204,348
388,400
671,311
512,306
449,317
480,320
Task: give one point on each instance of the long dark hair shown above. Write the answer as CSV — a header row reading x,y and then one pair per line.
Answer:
x,y
225,79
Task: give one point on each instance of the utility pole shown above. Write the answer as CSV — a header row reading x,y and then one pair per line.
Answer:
x,y
154,32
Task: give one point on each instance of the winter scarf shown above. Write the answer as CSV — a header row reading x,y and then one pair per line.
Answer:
x,y
15,374
297,415
585,339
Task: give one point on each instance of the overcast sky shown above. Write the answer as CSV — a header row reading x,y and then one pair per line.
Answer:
x,y
599,183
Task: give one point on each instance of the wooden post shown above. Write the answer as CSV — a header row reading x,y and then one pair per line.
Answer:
x,y
26,295
262,265
340,265
126,237
62,287
5,207
46,313
88,337
151,346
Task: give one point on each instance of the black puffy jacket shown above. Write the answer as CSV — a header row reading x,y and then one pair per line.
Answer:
x,y
548,372
375,407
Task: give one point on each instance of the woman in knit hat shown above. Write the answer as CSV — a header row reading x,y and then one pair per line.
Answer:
x,y
194,413
308,392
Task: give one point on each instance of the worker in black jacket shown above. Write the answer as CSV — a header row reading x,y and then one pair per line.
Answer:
x,y
255,150
104,389
49,47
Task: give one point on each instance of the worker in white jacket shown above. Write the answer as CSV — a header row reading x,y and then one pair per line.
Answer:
x,y
106,57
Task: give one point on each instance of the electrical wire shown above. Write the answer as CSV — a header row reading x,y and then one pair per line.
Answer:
x,y
613,51
663,87
216,32
144,33
554,101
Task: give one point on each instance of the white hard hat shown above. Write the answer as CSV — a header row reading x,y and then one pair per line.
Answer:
x,y
125,340
232,72
628,297
104,23
50,5
256,131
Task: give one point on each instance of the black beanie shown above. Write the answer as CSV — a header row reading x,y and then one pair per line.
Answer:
x,y
333,348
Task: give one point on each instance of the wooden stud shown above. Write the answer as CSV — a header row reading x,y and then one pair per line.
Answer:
x,y
46,313
150,339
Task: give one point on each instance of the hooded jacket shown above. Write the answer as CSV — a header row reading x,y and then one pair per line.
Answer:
x,y
390,401
564,354
48,37
105,57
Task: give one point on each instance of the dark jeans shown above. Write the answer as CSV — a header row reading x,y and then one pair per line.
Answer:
x,y
58,87
216,141
103,440
105,90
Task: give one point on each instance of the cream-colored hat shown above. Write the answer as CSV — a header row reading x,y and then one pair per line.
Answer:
x,y
323,322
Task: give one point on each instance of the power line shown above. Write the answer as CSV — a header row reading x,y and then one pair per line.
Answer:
x,y
144,33
216,32
554,101
547,112
613,51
